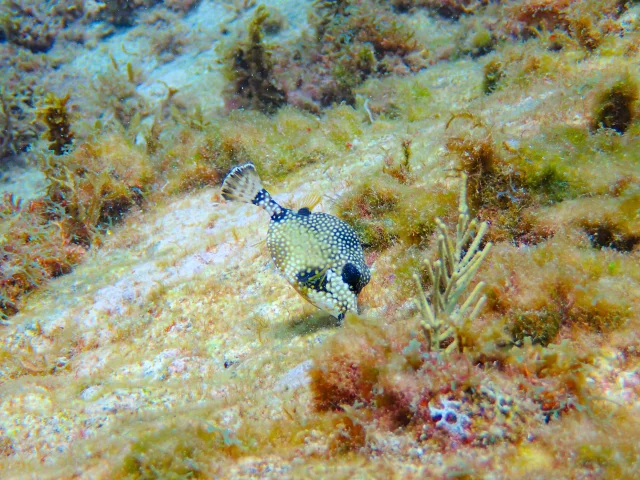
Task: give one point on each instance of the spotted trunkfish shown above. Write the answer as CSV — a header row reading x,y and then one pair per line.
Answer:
x,y
317,253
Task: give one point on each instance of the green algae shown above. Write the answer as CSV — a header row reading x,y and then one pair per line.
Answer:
x,y
249,69
541,326
493,75
383,211
178,451
615,106
574,159
55,115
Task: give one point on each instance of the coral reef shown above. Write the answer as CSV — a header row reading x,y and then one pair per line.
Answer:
x,y
586,23
122,13
349,42
144,332
449,8
450,276
379,43
36,26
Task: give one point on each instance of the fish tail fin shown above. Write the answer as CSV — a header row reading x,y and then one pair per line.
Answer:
x,y
242,184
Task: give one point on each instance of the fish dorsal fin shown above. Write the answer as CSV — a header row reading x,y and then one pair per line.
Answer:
x,y
309,201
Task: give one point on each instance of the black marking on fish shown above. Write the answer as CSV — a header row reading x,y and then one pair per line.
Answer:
x,y
352,277
260,197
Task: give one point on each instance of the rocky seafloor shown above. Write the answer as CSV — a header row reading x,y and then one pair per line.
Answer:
x,y
145,330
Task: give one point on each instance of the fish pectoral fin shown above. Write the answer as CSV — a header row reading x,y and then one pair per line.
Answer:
x,y
313,278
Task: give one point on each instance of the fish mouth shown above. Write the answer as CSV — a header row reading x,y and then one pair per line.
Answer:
x,y
324,298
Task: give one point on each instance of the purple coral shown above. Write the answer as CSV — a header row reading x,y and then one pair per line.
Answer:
x,y
450,418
